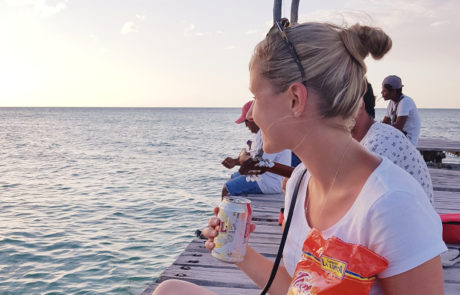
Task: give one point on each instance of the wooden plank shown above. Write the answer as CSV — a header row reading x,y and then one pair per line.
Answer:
x,y
206,276
451,275
205,259
234,291
217,290
445,180
431,144
150,288
450,289
446,202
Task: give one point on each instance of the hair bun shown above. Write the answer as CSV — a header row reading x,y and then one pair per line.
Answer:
x,y
362,40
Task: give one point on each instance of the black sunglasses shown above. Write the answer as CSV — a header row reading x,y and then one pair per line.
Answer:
x,y
281,27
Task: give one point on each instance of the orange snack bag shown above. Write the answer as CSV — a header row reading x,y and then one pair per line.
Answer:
x,y
334,267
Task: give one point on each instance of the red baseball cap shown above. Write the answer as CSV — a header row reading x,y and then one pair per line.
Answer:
x,y
244,111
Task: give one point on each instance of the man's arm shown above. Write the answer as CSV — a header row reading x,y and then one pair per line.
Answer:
x,y
250,167
386,120
400,122
230,162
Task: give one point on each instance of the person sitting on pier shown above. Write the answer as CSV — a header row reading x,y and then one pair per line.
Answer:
x,y
391,143
308,81
401,112
269,183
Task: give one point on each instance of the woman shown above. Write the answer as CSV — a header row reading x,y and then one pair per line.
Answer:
x,y
307,82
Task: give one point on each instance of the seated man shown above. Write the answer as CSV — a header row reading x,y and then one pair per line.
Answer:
x,y
267,183
391,143
401,112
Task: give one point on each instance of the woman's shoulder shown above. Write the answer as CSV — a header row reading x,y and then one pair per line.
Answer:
x,y
389,185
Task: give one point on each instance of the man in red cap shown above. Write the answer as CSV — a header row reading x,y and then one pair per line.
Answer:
x,y
268,183
252,126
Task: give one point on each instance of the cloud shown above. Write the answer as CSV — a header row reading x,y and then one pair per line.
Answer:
x,y
230,47
342,17
132,26
393,15
439,23
251,32
189,28
203,34
40,7
129,27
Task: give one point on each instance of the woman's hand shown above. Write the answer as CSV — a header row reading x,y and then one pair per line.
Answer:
x,y
212,230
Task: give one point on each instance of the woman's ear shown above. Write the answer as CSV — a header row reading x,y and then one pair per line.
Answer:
x,y
298,98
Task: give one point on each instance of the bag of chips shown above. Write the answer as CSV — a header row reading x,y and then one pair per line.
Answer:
x,y
334,267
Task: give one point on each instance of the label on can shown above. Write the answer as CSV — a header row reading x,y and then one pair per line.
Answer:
x,y
235,217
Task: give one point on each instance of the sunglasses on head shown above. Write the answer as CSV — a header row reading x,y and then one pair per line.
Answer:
x,y
280,26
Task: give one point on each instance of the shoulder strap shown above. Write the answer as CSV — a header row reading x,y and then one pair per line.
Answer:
x,y
284,236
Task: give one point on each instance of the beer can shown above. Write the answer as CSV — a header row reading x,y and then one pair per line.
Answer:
x,y
235,218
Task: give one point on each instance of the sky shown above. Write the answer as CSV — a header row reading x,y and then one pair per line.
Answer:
x,y
182,53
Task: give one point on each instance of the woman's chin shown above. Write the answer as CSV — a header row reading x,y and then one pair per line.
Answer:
x,y
269,149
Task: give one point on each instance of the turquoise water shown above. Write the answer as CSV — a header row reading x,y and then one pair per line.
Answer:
x,y
96,201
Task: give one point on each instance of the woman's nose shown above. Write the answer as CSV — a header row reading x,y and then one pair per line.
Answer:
x,y
249,114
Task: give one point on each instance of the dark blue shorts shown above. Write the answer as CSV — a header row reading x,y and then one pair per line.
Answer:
x,y
238,185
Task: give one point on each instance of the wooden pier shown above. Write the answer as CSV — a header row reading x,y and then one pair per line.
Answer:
x,y
434,150
196,264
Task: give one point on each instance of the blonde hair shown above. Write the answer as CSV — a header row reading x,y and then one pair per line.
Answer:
x,y
332,58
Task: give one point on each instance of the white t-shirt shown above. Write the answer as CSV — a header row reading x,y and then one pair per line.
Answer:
x,y
270,183
406,107
388,217
384,140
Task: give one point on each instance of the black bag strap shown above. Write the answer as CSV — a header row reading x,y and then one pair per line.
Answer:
x,y
284,236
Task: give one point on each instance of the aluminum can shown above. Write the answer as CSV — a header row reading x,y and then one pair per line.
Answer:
x,y
235,218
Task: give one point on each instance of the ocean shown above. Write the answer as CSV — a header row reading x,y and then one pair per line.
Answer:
x,y
102,200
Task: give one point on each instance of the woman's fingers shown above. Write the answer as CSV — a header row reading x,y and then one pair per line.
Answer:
x,y
209,245
209,233
252,227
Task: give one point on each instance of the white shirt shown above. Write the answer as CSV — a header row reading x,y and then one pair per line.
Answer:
x,y
387,141
388,217
270,183
406,107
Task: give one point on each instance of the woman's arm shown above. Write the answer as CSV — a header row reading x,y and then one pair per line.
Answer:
x,y
425,279
258,268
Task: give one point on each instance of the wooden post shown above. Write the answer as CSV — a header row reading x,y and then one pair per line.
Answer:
x,y
294,11
277,10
